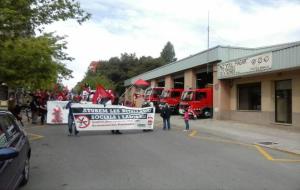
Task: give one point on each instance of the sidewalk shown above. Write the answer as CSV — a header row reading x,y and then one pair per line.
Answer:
x,y
284,138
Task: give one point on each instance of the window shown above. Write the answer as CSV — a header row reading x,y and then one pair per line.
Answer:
x,y
3,142
148,92
165,94
175,94
157,91
3,139
3,92
249,96
9,126
200,95
187,96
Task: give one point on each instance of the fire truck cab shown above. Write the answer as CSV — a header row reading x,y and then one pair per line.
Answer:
x,y
199,101
152,95
172,97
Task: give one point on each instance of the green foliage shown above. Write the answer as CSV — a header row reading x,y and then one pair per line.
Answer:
x,y
117,69
25,59
33,62
94,79
168,53
23,17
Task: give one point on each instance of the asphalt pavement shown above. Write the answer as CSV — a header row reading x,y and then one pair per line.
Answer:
x,y
154,160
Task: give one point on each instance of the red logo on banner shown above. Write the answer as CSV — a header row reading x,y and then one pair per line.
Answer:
x,y
57,115
83,121
150,120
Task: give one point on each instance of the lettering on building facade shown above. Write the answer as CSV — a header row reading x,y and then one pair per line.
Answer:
x,y
249,65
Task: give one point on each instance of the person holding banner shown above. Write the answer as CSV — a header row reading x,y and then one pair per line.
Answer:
x,y
107,101
71,118
34,106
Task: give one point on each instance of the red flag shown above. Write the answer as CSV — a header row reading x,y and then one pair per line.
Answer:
x,y
100,93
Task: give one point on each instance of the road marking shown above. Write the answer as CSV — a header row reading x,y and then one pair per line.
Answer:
x,y
224,141
35,127
33,137
269,157
193,133
264,153
285,151
285,160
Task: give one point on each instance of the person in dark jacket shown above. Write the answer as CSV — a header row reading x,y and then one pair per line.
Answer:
x,y
107,101
70,117
34,106
166,114
17,113
43,110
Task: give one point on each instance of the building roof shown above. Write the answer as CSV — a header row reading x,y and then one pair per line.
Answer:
x,y
282,58
211,55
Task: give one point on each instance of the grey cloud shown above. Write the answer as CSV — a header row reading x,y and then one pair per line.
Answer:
x,y
253,5
115,15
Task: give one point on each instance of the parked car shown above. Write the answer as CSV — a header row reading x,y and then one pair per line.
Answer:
x,y
14,153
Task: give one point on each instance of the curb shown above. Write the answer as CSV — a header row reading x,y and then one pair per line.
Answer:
x,y
279,149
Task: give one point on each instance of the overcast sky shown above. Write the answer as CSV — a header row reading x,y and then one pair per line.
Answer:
x,y
144,27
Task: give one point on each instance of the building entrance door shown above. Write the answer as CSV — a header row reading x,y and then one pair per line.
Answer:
x,y
283,101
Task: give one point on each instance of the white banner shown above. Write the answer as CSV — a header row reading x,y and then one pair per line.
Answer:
x,y
91,117
253,64
57,112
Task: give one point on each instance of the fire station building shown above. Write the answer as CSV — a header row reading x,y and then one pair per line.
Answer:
x,y
253,85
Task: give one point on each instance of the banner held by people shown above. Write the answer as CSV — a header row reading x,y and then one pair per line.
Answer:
x,y
57,112
93,117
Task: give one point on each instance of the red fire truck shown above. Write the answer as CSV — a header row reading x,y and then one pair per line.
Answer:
x,y
199,101
172,97
152,95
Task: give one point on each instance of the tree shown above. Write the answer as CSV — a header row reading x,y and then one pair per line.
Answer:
x,y
33,61
168,53
117,69
21,18
93,80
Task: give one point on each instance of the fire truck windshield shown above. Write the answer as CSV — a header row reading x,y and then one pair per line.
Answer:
x,y
165,94
148,92
157,91
187,96
153,92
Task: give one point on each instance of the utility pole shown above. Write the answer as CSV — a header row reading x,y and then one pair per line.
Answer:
x,y
207,65
208,30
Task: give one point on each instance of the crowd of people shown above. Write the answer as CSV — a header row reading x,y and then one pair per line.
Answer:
x,y
38,108
33,104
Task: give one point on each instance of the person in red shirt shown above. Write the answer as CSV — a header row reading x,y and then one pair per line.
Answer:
x,y
186,119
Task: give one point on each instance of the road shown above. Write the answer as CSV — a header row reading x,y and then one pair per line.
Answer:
x,y
152,160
